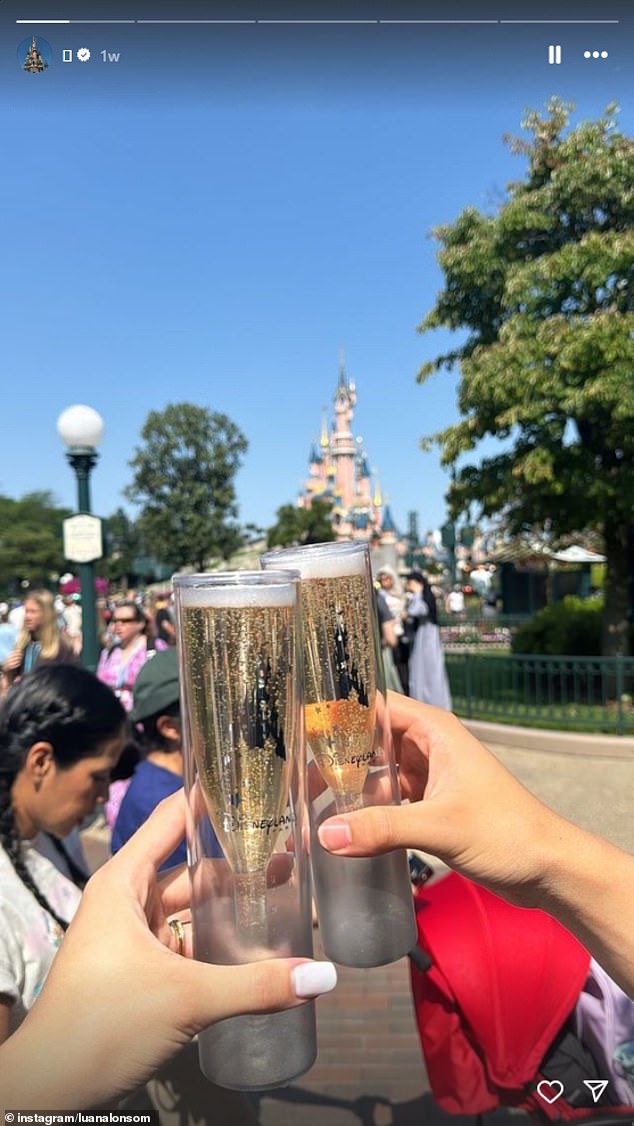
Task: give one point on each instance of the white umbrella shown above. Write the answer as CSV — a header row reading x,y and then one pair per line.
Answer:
x,y
576,554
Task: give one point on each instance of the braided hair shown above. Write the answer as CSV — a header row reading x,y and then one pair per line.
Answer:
x,y
66,706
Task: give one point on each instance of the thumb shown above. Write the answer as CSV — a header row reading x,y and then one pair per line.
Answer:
x,y
218,992
380,828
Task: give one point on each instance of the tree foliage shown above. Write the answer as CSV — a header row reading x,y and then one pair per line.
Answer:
x,y
31,540
299,526
571,627
184,484
544,290
123,545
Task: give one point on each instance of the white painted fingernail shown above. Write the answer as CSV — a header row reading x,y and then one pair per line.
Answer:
x,y
312,978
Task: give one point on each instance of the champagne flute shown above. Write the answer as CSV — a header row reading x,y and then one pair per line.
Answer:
x,y
238,646
341,685
340,666
241,708
364,903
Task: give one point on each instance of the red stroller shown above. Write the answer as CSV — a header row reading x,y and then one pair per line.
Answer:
x,y
494,990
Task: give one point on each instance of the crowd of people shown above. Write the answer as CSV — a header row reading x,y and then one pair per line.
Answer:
x,y
43,628
97,947
413,657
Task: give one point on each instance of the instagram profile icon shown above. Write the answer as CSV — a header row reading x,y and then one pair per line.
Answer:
x,y
34,55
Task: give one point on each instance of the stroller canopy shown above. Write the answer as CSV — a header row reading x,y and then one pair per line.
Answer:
x,y
503,981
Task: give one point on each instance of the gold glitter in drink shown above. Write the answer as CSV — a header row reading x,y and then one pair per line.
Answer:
x,y
239,663
340,683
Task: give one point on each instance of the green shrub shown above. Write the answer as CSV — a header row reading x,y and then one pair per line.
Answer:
x,y
571,627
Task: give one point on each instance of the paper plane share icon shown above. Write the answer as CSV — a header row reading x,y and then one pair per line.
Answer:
x,y
596,1087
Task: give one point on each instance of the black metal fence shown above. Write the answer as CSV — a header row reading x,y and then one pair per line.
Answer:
x,y
593,694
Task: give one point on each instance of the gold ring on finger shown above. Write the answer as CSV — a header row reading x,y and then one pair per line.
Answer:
x,y
178,930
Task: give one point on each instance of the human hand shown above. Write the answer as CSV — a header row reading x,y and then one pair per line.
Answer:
x,y
13,661
120,1000
464,807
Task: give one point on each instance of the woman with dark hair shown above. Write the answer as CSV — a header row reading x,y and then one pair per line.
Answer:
x,y
120,665
427,673
61,734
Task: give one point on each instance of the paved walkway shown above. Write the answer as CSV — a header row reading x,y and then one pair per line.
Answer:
x,y
369,1069
589,779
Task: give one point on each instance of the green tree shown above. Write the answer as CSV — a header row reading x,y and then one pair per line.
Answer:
x,y
184,484
544,291
299,526
123,546
31,540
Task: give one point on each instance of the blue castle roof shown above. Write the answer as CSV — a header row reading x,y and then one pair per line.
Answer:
x,y
387,523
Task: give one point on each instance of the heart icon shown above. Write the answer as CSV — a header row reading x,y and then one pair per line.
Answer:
x,y
550,1091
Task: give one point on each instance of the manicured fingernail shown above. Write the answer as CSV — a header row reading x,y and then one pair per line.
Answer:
x,y
312,978
335,835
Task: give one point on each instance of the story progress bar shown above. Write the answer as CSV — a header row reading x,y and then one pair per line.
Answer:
x,y
315,21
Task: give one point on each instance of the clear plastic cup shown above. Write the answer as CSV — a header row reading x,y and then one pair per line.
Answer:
x,y
241,706
364,904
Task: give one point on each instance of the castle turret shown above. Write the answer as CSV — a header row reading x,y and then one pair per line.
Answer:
x,y
343,449
315,457
389,532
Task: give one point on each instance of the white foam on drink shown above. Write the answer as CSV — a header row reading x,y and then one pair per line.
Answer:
x,y
333,562
236,595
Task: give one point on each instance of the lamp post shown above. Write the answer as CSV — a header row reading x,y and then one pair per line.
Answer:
x,y
448,540
81,428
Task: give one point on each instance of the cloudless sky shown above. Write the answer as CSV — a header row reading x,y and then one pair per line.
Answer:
x,y
196,235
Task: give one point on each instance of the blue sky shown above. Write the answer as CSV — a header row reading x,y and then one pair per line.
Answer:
x,y
169,243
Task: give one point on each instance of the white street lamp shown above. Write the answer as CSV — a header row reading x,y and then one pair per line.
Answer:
x,y
81,428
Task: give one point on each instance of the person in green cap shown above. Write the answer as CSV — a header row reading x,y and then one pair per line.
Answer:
x,y
156,714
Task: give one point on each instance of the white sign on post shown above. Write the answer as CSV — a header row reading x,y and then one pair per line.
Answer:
x,y
83,541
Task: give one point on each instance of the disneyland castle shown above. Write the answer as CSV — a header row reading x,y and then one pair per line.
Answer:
x,y
340,473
